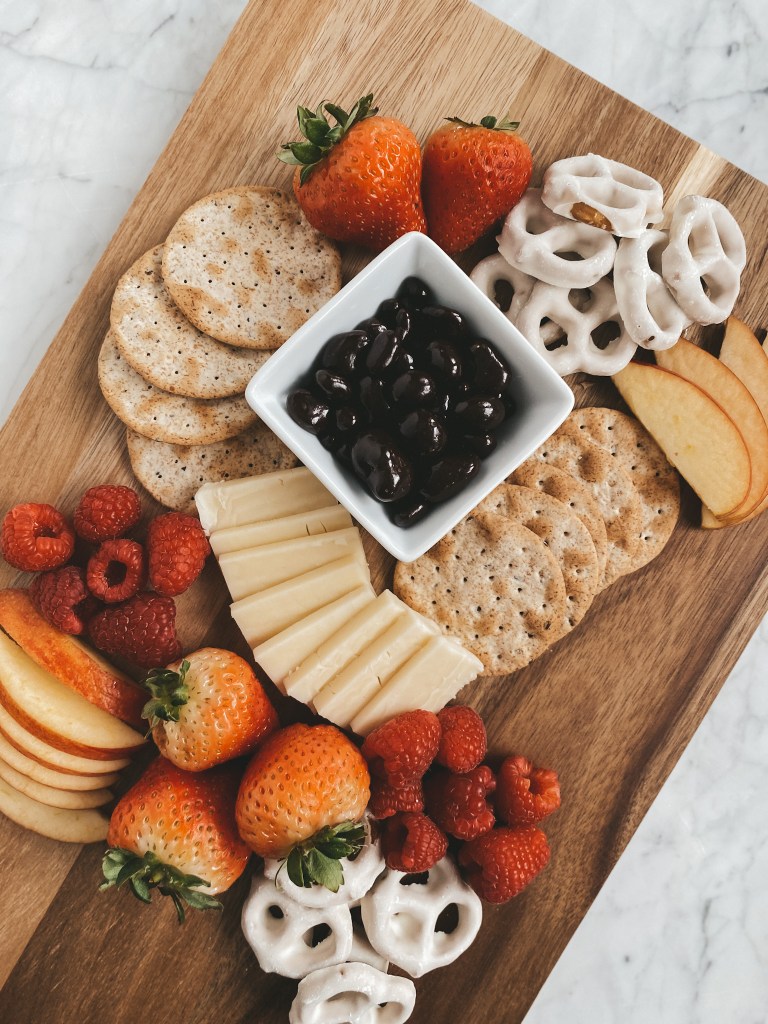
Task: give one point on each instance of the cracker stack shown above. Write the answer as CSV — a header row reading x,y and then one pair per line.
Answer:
x,y
192,321
598,500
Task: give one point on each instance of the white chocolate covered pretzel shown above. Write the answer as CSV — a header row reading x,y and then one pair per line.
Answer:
x,y
578,352
703,262
281,932
401,919
543,244
604,193
493,269
353,993
648,308
359,876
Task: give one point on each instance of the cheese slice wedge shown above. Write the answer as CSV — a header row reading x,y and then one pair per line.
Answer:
x,y
255,569
267,613
304,524
282,653
337,652
428,680
255,499
356,685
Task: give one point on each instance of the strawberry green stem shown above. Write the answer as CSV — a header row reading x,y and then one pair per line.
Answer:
x,y
316,861
143,874
320,136
499,124
169,693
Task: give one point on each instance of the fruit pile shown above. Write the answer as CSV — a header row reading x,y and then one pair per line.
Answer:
x,y
430,788
101,591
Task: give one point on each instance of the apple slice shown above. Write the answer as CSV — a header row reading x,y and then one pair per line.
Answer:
x,y
65,657
58,715
52,757
697,437
64,824
75,800
724,387
50,776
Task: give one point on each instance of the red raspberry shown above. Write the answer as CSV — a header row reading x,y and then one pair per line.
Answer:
x,y
463,741
458,802
62,598
36,538
387,800
503,862
402,749
143,630
106,512
177,549
525,794
117,571
412,842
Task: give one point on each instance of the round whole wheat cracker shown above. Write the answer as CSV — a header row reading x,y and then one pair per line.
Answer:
x,y
564,534
157,340
573,493
163,417
172,473
494,586
612,489
246,267
636,452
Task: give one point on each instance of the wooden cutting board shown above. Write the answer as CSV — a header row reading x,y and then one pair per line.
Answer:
x,y
611,707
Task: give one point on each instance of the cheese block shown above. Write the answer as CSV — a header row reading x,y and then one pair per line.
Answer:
x,y
356,685
256,569
281,654
267,613
337,652
428,680
303,524
76,800
64,824
255,499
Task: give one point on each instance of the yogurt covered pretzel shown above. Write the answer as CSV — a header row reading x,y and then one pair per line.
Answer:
x,y
703,262
277,930
649,310
355,993
548,305
495,268
604,193
539,242
400,919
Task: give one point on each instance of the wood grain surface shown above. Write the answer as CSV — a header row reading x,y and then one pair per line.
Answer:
x,y
611,707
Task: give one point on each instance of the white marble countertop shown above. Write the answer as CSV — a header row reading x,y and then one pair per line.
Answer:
x,y
89,92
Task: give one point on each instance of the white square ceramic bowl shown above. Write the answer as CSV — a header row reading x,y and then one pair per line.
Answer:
x,y
542,399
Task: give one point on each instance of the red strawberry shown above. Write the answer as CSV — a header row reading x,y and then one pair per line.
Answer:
x,y
501,863
402,749
106,512
463,741
458,802
175,831
206,709
177,548
117,571
359,180
525,794
387,800
62,598
412,842
473,175
143,630
35,538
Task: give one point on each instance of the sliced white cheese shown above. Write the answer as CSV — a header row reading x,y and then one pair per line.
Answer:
x,y
428,680
304,524
356,685
331,657
257,498
255,569
282,653
263,615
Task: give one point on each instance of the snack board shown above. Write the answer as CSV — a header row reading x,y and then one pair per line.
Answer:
x,y
612,706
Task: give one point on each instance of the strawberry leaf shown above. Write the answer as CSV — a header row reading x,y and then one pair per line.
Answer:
x,y
147,872
320,136
169,693
317,861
